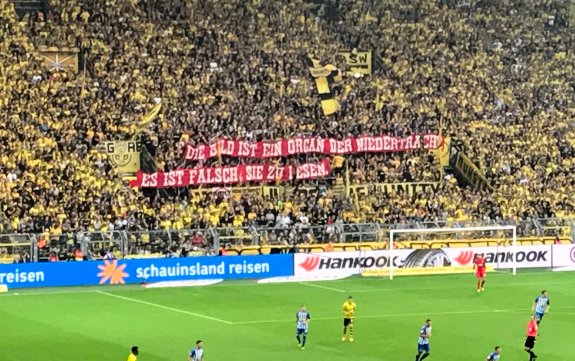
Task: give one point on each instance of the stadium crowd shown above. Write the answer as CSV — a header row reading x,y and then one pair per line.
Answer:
x,y
492,75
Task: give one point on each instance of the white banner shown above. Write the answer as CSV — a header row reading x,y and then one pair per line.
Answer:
x,y
500,257
563,255
330,264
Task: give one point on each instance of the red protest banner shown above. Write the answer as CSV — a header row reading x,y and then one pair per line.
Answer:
x,y
231,175
302,145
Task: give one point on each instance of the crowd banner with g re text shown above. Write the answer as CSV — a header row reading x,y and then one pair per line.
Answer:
x,y
317,145
232,175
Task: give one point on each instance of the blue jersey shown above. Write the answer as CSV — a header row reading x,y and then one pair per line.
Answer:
x,y
197,354
425,331
302,317
494,356
541,304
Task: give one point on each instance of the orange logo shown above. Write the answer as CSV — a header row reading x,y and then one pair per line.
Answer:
x,y
310,263
112,273
464,257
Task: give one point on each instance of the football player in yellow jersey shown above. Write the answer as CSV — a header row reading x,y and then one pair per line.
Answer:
x,y
133,356
348,314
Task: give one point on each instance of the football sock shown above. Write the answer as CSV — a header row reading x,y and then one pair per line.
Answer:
x,y
344,330
424,356
304,340
298,339
350,331
417,357
482,283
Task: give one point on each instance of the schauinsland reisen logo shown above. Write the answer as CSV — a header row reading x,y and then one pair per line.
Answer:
x,y
112,272
220,269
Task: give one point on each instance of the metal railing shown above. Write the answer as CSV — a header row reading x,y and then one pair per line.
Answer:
x,y
190,242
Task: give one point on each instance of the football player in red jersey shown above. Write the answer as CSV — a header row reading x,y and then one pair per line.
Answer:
x,y
531,336
479,267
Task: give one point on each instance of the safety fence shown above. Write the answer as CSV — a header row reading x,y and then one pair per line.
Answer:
x,y
23,248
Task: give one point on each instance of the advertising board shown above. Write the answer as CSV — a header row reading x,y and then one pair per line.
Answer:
x,y
87,273
564,255
331,264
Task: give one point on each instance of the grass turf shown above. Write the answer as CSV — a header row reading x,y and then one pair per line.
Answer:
x,y
248,321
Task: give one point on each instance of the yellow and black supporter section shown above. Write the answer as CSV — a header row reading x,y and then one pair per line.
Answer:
x,y
417,271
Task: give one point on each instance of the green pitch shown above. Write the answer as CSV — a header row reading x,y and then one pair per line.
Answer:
x,y
245,321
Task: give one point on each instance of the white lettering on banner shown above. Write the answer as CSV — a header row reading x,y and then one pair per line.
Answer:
x,y
227,147
430,142
174,178
231,175
248,268
311,170
245,150
387,143
254,172
150,180
195,153
341,146
178,270
198,269
302,145
350,263
271,150
193,174
376,144
213,148
361,144
272,173
21,277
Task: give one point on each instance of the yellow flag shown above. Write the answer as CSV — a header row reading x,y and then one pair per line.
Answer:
x,y
442,153
325,77
147,119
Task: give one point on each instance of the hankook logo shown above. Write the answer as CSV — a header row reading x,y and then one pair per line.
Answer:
x,y
464,258
314,262
310,263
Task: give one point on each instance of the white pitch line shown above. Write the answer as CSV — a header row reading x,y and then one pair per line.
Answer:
x,y
25,292
322,287
14,293
422,314
135,300
492,285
